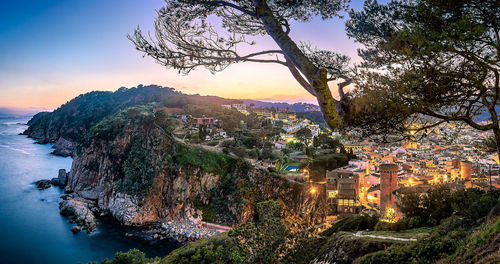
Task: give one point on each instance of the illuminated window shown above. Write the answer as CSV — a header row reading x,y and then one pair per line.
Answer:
x,y
346,202
332,194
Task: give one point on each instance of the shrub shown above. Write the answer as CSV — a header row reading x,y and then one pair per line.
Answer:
x,y
206,160
414,222
474,203
352,223
438,244
216,249
386,226
133,256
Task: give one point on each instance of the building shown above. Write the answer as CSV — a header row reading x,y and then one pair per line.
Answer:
x,y
262,112
239,107
388,183
283,116
206,121
347,198
465,170
353,147
342,188
296,126
280,144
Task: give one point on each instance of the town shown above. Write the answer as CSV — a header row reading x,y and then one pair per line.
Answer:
x,y
352,174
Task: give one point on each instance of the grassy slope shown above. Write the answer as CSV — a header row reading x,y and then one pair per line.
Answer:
x,y
410,233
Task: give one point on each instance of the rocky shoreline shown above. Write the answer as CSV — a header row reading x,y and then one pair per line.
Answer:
x,y
80,211
187,230
61,180
181,231
85,213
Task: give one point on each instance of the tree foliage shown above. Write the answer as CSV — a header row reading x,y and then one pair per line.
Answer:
x,y
304,134
79,114
186,37
426,62
133,256
266,240
325,141
439,203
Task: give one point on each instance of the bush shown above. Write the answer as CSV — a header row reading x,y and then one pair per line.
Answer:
x,y
206,160
414,222
213,143
133,256
474,204
386,226
216,249
437,245
440,203
139,170
352,223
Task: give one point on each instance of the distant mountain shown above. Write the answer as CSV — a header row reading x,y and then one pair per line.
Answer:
x,y
297,107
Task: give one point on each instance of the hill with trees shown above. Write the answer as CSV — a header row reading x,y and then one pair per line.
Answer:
x,y
73,118
66,125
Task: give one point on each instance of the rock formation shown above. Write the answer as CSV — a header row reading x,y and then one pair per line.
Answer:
x,y
61,179
64,147
130,168
43,184
80,211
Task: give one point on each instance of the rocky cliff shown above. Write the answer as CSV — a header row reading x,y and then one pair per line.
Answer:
x,y
129,166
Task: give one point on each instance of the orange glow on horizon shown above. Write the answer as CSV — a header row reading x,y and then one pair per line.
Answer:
x,y
276,85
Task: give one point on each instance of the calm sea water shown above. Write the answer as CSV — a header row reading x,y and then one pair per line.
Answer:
x,y
31,229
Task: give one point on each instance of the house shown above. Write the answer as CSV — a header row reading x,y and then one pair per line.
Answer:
x,y
342,188
262,112
373,196
223,134
239,107
280,144
203,121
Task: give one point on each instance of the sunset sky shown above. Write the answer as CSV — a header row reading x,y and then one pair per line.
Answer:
x,y
52,51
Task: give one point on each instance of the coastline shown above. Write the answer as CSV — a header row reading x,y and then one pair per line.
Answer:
x,y
87,216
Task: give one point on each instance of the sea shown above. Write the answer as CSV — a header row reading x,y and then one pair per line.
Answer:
x,y
31,228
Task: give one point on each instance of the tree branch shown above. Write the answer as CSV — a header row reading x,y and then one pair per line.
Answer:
x,y
227,4
296,74
468,120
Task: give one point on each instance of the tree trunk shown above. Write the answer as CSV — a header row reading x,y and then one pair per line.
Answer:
x,y
316,77
326,101
496,132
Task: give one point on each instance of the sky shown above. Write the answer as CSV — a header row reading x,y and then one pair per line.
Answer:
x,y
52,51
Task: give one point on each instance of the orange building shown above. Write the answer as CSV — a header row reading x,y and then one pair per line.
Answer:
x,y
388,183
465,170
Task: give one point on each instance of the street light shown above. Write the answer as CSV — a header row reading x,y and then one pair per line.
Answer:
x,y
306,174
312,190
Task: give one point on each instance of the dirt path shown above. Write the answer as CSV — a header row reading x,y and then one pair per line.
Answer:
x,y
219,228
360,234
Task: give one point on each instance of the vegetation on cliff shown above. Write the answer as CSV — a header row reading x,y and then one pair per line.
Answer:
x,y
266,240
468,211
71,119
461,237
209,162
134,153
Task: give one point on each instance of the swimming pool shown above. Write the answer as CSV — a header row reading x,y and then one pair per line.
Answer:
x,y
292,168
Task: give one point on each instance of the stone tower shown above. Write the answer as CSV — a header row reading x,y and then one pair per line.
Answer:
x,y
388,183
465,170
